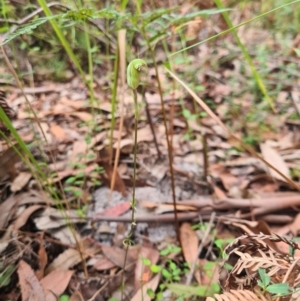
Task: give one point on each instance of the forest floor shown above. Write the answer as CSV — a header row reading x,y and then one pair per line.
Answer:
x,y
235,170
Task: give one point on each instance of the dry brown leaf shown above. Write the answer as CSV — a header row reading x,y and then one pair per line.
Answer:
x,y
55,283
79,148
7,162
71,257
84,116
293,227
22,219
141,294
274,158
20,181
64,261
31,288
104,264
7,208
193,30
144,134
60,109
219,193
52,218
208,277
117,256
57,131
228,179
78,104
126,145
43,258
143,273
190,243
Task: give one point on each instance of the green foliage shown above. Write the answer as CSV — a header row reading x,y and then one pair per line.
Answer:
x,y
80,15
28,28
170,250
172,272
5,275
64,298
278,289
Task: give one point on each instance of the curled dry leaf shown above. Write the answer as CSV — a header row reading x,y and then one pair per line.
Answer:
x,y
274,158
141,294
103,264
22,219
117,256
57,131
20,181
7,208
55,283
189,242
142,272
7,162
71,257
84,116
31,288
43,258
52,218
125,145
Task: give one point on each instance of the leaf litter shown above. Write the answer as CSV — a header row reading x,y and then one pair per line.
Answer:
x,y
223,178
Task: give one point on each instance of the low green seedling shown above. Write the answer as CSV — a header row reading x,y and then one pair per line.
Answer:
x,y
5,276
277,289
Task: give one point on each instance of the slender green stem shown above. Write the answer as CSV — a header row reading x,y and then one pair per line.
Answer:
x,y
61,37
247,56
128,240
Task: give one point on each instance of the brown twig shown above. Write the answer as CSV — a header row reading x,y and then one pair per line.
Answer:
x,y
149,119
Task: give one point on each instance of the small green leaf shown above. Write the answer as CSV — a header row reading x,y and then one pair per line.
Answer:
x,y
146,261
64,298
279,289
186,113
164,252
297,51
159,296
265,278
173,265
70,180
166,274
150,293
176,250
5,275
155,268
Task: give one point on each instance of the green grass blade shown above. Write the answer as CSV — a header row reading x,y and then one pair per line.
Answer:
x,y
235,27
61,37
254,71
